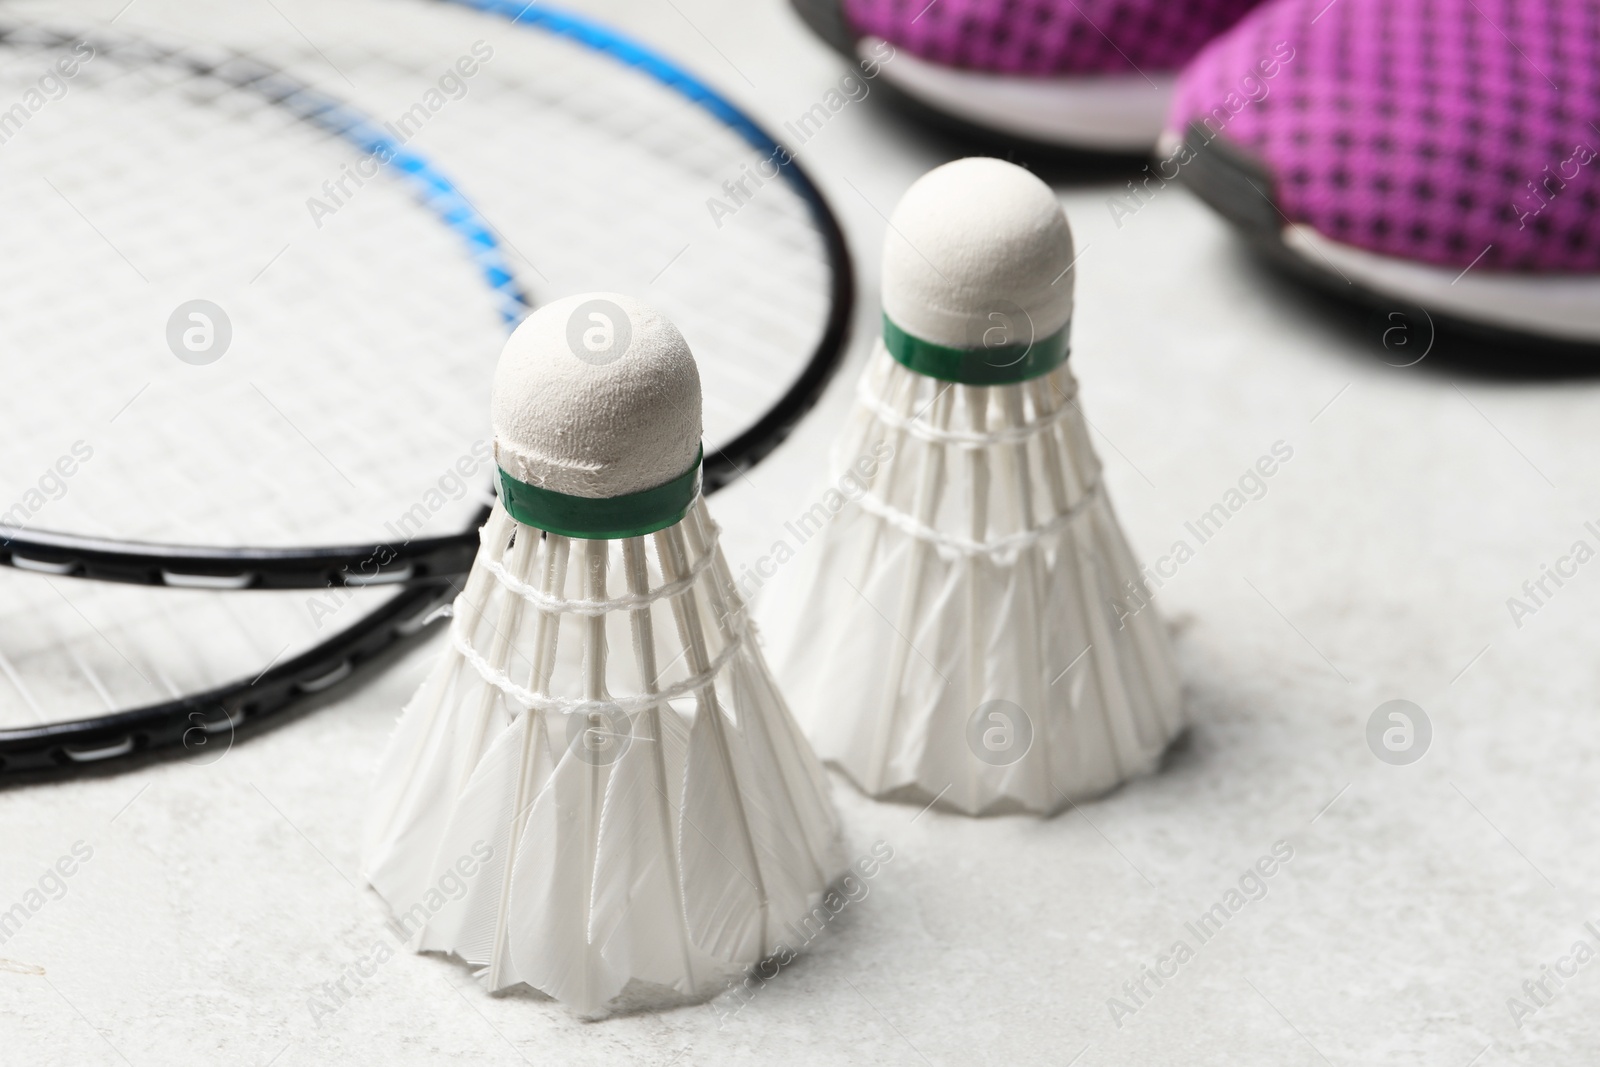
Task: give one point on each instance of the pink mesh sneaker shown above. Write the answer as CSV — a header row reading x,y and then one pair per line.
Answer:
x,y
1444,153
1089,75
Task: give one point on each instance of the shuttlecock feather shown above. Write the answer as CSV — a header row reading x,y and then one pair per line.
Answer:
x,y
600,767
958,631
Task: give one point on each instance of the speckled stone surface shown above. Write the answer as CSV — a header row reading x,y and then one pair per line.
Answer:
x,y
220,910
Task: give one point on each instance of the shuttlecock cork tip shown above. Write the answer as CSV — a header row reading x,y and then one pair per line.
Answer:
x,y
596,396
978,256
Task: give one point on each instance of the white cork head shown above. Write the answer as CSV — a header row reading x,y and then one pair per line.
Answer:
x,y
596,396
976,243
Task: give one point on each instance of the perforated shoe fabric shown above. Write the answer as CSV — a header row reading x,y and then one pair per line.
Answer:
x,y
1049,37
1454,133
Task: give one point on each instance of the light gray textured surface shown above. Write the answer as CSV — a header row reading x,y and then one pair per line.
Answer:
x,y
220,899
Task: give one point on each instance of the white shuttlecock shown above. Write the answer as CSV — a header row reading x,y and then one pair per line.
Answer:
x,y
599,788
960,632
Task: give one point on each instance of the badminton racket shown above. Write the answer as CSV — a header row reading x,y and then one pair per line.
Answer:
x,y
261,284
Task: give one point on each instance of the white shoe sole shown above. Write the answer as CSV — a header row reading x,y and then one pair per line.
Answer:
x,y
1550,308
1562,307
1104,113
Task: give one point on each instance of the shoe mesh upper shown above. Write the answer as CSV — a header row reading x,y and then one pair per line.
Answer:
x,y
1044,37
1452,132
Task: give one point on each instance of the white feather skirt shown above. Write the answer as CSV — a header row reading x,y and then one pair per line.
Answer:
x,y
599,788
968,625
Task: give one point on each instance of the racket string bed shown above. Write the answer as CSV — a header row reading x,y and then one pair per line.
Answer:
x,y
179,451
320,436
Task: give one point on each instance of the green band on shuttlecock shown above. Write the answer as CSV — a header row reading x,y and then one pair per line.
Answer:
x,y
1000,365
602,518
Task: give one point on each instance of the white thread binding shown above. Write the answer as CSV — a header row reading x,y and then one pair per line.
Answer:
x,y
875,505
521,697
960,438
631,602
